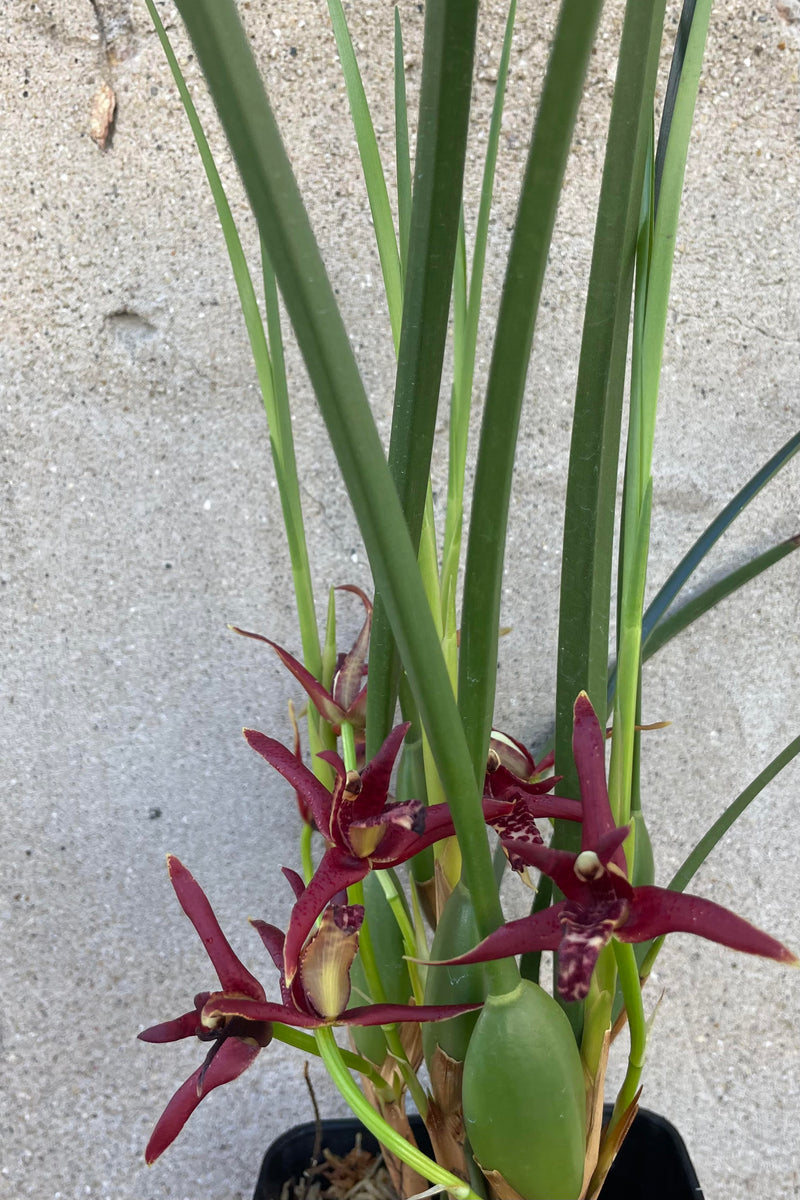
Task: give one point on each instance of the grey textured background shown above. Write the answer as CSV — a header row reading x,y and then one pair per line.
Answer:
x,y
140,516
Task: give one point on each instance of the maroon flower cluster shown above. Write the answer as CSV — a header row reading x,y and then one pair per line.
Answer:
x,y
364,829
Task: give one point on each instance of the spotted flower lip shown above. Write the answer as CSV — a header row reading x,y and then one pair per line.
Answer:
x,y
364,829
600,902
236,1043
347,699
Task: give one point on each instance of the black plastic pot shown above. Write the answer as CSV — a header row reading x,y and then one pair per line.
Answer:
x,y
653,1163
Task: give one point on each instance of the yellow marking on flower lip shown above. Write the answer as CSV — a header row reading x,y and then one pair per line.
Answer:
x,y
217,1020
352,786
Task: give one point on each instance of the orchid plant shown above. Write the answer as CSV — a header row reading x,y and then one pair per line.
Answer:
x,y
516,1069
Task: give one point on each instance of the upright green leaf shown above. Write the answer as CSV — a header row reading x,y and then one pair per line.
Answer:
x,y
594,452
527,260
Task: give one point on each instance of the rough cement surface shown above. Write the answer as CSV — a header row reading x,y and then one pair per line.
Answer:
x,y
140,516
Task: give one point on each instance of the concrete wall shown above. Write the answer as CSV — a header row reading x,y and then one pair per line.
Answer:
x,y
140,516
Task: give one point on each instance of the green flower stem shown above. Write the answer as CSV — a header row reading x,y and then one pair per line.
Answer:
x,y
366,950
394,1142
388,881
307,1043
632,996
305,852
349,747
597,1011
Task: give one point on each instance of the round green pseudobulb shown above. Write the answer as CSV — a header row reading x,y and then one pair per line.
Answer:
x,y
456,933
523,1094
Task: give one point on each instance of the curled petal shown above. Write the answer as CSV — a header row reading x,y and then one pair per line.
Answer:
x,y
173,1031
656,911
256,1012
233,975
323,973
346,687
233,1058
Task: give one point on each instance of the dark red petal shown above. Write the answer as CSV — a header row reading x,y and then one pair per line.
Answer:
x,y
336,871
258,1012
588,746
233,975
517,829
391,1014
321,699
655,911
233,1058
541,931
297,774
377,774
295,881
173,1031
273,939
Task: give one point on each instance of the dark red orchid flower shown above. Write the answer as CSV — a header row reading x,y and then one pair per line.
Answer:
x,y
238,1020
600,903
347,699
363,828
236,1044
320,988
512,774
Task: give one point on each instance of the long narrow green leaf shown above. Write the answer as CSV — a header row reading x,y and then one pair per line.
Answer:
x,y
402,152
225,56
527,260
671,90
274,397
439,169
465,331
594,452
675,622
691,560
373,169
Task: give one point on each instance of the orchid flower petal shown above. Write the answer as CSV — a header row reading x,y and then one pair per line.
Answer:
x,y
336,871
391,1014
233,975
541,931
656,911
584,936
233,1058
588,746
296,773
258,1012
172,1031
320,698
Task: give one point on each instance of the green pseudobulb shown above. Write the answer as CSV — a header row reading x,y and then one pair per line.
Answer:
x,y
523,1094
456,933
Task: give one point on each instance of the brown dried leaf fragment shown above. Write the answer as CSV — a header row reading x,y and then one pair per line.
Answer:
x,y
103,111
